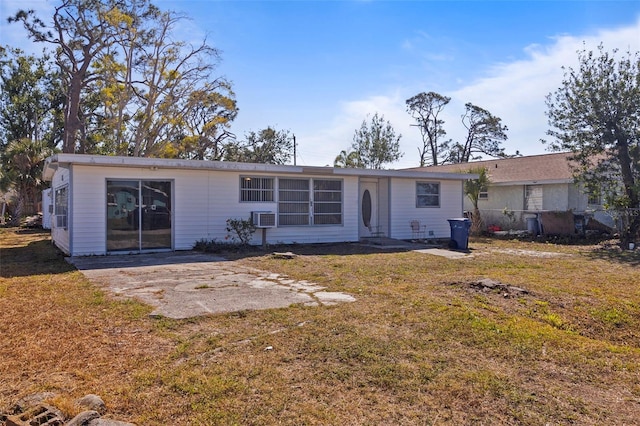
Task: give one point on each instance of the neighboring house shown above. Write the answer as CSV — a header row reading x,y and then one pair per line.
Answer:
x,y
522,187
107,204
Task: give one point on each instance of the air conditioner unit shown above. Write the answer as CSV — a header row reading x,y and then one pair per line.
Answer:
x,y
263,219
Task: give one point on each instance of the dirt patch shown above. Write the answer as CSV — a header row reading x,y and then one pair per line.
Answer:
x,y
487,285
495,296
530,253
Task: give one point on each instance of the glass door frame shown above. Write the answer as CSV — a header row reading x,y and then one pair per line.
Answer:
x,y
138,215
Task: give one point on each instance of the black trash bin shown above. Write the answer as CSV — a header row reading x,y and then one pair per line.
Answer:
x,y
459,233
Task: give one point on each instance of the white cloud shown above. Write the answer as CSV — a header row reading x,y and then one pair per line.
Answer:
x,y
321,146
514,91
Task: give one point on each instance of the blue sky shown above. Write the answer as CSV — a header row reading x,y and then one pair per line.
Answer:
x,y
317,68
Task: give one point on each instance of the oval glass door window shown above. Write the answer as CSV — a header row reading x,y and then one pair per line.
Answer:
x,y
366,208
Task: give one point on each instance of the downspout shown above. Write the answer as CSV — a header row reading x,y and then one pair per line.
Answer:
x,y
389,208
462,197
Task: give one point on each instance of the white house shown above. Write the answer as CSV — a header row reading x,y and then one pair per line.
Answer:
x,y
523,186
104,204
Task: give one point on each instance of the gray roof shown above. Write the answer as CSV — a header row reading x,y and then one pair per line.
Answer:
x,y
537,169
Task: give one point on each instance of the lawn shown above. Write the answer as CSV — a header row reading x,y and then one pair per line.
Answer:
x,y
423,344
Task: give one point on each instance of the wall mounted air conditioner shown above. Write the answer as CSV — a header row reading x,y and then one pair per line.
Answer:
x,y
263,219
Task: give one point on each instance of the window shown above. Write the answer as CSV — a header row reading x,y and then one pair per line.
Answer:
x,y
61,200
483,194
309,202
594,198
427,194
533,197
256,189
293,202
327,202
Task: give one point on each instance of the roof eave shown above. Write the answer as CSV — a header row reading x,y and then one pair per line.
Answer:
x,y
52,163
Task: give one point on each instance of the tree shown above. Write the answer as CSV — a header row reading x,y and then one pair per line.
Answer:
x,y
80,34
347,159
205,125
595,115
268,146
22,166
485,133
472,189
131,88
177,78
376,143
29,98
425,108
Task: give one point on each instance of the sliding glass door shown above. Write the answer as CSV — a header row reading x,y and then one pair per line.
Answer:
x,y
155,215
138,215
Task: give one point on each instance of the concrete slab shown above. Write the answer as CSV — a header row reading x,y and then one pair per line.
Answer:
x,y
184,285
449,254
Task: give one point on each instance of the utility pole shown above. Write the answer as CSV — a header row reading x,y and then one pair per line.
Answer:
x,y
294,150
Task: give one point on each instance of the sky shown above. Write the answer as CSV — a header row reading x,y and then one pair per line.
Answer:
x,y
319,68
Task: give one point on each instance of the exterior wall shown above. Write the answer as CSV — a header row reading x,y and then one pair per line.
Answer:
x,y
404,210
59,235
555,197
384,205
224,203
47,208
202,203
500,197
579,200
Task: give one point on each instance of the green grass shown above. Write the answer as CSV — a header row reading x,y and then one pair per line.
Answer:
x,y
419,346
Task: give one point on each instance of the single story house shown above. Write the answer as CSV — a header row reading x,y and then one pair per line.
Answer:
x,y
104,204
522,187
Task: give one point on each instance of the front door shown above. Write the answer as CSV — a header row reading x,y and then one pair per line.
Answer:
x,y
368,223
138,215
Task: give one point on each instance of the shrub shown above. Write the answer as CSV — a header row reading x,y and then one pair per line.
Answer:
x,y
241,231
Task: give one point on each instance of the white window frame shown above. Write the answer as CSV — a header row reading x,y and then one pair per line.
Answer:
x,y
293,203
259,194
310,202
426,195
61,206
335,199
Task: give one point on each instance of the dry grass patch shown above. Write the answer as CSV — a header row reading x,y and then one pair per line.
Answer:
x,y
415,348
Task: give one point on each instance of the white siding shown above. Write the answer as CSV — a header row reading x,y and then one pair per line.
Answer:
x,y
202,203
88,222
192,207
47,208
404,210
348,231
